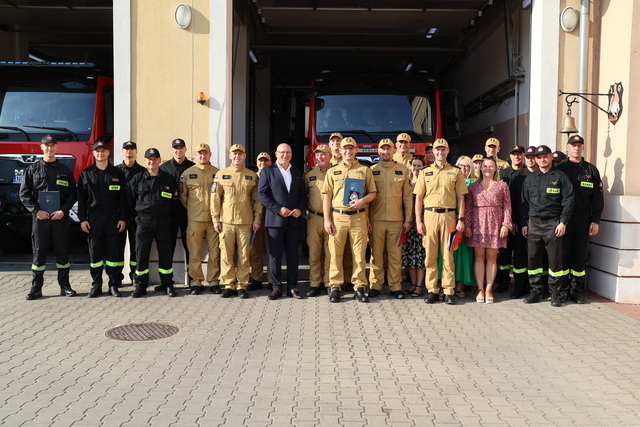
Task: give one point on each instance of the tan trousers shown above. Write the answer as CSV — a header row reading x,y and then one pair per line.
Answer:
x,y
319,258
352,228
197,232
439,226
233,236
385,235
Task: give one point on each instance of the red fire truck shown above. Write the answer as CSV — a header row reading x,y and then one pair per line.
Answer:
x,y
69,100
372,107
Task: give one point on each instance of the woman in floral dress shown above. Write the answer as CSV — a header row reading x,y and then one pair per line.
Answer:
x,y
488,212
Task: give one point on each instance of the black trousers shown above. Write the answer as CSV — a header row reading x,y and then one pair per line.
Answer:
x,y
504,261
129,232
575,249
287,239
104,243
179,221
542,239
520,276
150,229
41,233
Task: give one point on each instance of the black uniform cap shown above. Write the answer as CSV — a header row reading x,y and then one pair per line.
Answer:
x,y
178,143
48,138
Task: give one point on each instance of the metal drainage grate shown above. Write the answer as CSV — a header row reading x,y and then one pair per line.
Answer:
x,y
141,332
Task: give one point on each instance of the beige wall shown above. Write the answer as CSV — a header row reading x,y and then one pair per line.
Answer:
x,y
170,66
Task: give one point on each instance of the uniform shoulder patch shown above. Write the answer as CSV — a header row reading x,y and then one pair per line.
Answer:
x,y
334,165
308,170
424,167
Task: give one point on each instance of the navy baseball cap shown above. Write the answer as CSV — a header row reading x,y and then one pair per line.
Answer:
x,y
178,143
151,152
531,151
543,149
130,144
48,138
100,144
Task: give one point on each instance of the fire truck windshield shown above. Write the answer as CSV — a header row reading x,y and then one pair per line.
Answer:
x,y
70,106
375,114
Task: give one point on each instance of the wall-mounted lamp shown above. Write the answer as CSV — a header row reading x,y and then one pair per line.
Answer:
x,y
569,123
183,15
569,18
201,99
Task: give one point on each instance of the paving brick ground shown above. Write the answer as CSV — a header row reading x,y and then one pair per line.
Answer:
x,y
257,362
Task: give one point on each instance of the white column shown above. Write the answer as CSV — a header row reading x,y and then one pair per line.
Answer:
x,y
543,109
220,76
121,76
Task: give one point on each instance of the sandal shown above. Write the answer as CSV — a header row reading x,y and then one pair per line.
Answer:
x,y
480,297
489,298
461,294
415,294
411,290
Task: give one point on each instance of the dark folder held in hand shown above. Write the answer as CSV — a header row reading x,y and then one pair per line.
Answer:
x,y
50,201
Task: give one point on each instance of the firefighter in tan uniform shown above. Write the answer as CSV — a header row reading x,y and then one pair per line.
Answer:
x,y
334,144
403,146
317,237
350,219
195,187
389,213
439,189
261,239
492,148
236,213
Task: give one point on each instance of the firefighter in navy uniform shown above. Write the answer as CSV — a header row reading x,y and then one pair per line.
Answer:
x,y
103,212
48,174
516,180
585,219
131,168
152,195
547,203
176,166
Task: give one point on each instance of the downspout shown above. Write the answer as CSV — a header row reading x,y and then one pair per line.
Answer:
x,y
583,66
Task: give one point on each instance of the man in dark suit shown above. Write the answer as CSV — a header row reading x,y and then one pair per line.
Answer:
x,y
282,192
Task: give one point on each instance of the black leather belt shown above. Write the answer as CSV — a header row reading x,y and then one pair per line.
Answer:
x,y
315,213
347,212
439,210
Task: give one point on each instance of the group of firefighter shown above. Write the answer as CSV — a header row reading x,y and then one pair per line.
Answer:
x,y
240,215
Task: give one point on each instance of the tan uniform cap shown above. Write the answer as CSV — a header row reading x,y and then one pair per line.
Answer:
x,y
492,141
323,148
440,142
265,155
403,137
203,147
348,141
236,147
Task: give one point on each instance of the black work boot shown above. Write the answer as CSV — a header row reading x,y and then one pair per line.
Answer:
x,y
113,290
34,293
555,300
360,295
96,290
533,297
139,291
65,290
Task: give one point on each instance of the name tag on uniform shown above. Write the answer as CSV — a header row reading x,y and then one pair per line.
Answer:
x,y
193,176
115,179
362,172
399,173
428,173
226,176
553,190
166,195
586,184
337,172
62,182
313,178
114,187
249,177
377,172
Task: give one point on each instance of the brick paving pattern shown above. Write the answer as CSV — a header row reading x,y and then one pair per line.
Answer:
x,y
257,362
